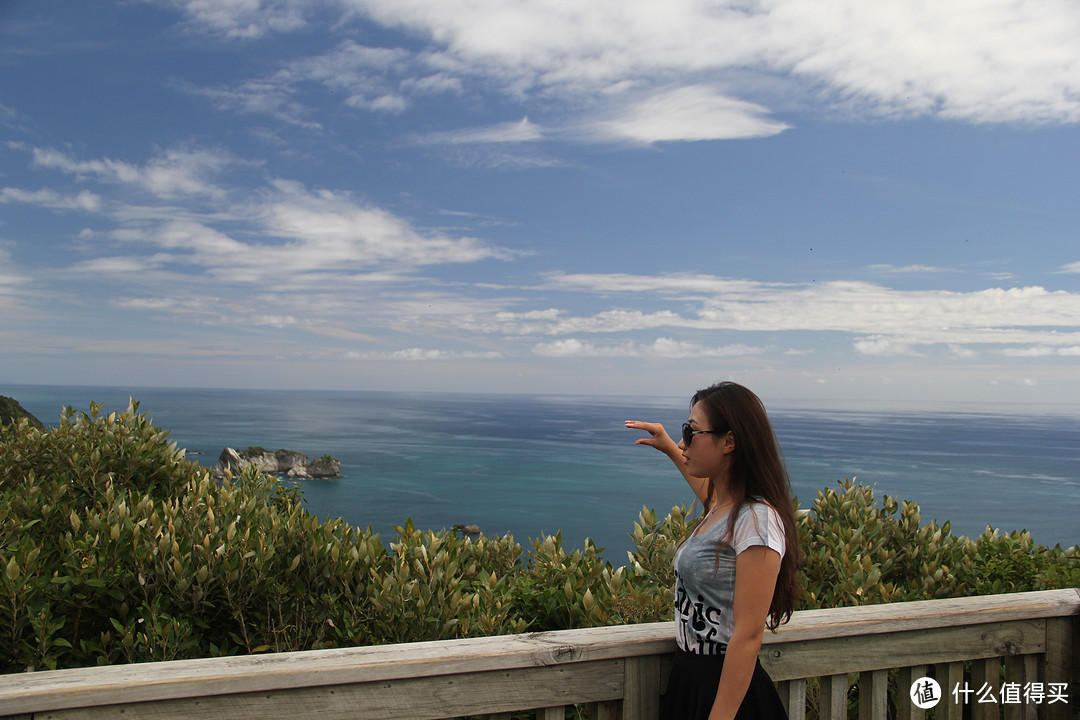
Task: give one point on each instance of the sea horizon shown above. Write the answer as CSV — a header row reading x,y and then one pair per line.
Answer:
x,y
530,464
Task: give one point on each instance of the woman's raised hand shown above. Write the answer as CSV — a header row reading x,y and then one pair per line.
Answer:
x,y
658,437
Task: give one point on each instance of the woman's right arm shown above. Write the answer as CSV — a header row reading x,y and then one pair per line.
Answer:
x,y
659,439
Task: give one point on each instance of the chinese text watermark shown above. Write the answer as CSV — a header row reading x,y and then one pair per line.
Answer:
x,y
926,693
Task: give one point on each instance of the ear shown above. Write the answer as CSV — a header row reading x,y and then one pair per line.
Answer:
x,y
727,443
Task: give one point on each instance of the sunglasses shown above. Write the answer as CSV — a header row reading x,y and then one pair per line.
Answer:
x,y
688,433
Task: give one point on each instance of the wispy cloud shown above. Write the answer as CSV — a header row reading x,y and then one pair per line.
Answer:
x,y
882,320
173,174
611,71
48,198
511,132
903,270
244,19
282,230
695,112
661,348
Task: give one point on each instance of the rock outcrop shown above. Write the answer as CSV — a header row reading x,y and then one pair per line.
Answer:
x,y
281,462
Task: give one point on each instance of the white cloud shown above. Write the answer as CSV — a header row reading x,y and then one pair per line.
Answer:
x,y
1071,268
695,112
511,132
886,321
375,79
903,270
86,201
244,19
572,347
883,346
639,72
335,231
270,97
678,284
10,276
284,231
665,348
416,354
174,174
110,266
1037,351
669,348
974,60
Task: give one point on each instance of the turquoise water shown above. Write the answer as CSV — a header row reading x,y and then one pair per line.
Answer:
x,y
528,465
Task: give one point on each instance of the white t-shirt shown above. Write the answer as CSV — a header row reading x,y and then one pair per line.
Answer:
x,y
705,584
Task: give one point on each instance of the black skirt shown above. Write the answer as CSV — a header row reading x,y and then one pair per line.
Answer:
x,y
691,691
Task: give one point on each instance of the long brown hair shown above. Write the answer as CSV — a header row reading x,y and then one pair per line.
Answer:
x,y
757,471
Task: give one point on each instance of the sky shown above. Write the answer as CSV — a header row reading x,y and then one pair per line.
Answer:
x,y
826,200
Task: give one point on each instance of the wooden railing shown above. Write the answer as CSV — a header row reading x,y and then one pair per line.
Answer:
x,y
1021,646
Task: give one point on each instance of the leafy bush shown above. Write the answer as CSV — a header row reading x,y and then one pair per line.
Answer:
x,y
858,553
114,548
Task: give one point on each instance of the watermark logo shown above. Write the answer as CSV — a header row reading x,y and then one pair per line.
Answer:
x,y
925,693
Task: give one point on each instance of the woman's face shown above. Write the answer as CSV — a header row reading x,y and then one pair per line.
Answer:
x,y
707,455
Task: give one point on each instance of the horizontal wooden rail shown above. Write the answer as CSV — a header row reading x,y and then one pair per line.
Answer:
x,y
618,670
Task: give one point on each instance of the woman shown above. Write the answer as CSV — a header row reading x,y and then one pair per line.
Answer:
x,y
736,574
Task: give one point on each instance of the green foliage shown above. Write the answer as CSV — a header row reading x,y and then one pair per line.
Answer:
x,y
860,553
114,548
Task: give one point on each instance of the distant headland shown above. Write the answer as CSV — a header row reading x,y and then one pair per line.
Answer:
x,y
11,412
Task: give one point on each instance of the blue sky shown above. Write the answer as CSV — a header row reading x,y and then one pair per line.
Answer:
x,y
826,200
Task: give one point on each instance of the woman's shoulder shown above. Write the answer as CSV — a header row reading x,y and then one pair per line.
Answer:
x,y
760,507
758,524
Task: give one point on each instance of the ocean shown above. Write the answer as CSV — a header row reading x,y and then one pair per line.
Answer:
x,y
532,465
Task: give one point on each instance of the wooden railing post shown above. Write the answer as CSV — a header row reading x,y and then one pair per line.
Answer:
x,y
641,694
1061,663
834,691
873,695
905,679
950,676
793,695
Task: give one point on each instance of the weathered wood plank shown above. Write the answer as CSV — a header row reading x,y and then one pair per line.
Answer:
x,y
986,682
30,692
1062,646
834,697
551,713
1014,678
926,614
949,677
608,710
641,692
873,695
833,656
906,678
407,699
834,632
1031,674
793,695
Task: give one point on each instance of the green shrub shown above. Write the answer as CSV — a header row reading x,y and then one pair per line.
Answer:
x,y
114,548
857,553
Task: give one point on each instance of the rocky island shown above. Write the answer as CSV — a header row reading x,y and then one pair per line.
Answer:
x,y
277,462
